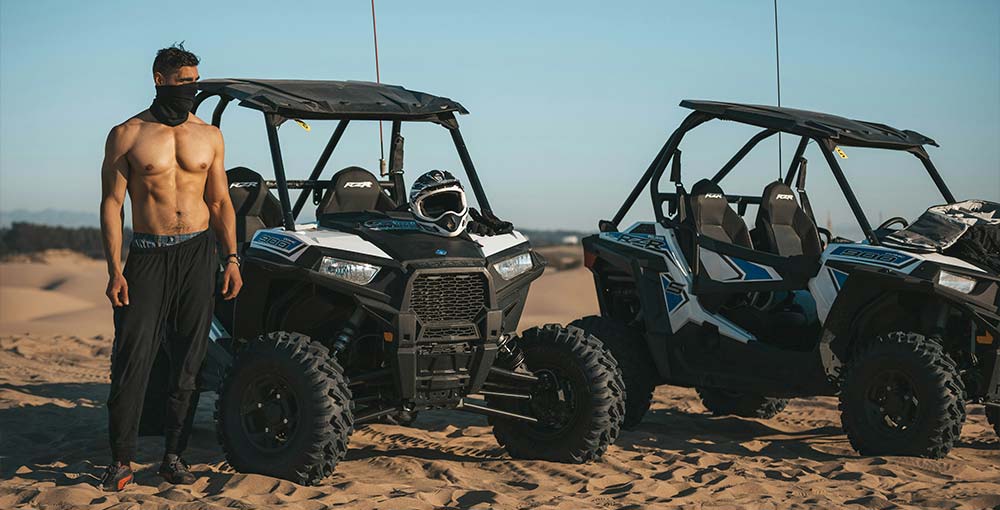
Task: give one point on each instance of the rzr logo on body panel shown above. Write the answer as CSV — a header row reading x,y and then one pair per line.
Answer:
x,y
358,184
713,195
648,242
243,184
645,241
782,196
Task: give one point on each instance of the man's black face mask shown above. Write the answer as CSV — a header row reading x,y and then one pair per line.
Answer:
x,y
173,103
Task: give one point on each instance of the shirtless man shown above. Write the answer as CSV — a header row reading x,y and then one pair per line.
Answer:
x,y
171,164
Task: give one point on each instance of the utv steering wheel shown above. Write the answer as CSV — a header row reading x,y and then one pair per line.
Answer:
x,y
892,221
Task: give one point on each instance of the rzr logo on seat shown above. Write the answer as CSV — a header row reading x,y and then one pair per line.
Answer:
x,y
243,185
358,184
782,196
713,195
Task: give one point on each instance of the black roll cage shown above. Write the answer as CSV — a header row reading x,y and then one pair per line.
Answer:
x,y
395,185
670,151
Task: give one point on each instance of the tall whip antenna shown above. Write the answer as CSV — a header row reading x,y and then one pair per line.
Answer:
x,y
378,79
777,71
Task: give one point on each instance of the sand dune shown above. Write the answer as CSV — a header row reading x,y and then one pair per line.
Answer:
x,y
53,381
21,304
64,295
560,296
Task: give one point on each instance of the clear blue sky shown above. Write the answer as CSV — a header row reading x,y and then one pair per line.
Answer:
x,y
569,100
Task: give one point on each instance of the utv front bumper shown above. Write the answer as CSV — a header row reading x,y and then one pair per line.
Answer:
x,y
448,329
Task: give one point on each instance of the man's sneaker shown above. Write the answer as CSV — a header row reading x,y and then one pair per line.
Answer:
x,y
176,471
116,477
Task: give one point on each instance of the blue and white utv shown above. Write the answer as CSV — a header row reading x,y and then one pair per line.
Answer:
x,y
902,325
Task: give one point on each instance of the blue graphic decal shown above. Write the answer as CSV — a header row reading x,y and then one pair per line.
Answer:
x,y
279,243
839,277
874,256
440,252
673,292
751,271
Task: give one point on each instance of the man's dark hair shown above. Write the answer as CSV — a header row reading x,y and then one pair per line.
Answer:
x,y
169,60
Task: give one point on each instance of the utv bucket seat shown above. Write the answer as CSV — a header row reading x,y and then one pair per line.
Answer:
x,y
782,226
354,189
256,208
710,215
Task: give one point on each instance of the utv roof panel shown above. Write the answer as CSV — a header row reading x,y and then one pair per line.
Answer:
x,y
842,130
323,99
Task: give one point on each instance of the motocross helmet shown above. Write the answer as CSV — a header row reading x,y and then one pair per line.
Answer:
x,y
437,201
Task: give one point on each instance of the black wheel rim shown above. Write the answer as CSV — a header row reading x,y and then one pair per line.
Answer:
x,y
269,413
891,401
553,403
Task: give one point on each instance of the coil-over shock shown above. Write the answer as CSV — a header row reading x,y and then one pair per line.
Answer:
x,y
509,354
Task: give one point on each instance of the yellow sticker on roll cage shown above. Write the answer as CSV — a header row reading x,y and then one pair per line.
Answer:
x,y
303,124
840,152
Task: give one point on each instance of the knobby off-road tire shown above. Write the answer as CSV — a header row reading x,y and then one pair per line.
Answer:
x,y
902,395
748,405
587,376
629,349
277,377
993,417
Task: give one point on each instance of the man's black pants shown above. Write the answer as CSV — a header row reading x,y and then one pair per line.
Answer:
x,y
170,291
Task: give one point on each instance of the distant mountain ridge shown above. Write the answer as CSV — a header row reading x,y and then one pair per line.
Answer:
x,y
76,219
51,217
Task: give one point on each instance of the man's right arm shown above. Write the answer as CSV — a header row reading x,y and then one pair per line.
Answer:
x,y
114,182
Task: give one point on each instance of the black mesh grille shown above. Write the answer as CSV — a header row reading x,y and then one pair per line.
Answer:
x,y
448,297
468,331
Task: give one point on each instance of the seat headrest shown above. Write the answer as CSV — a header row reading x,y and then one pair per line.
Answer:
x,y
247,189
705,186
352,189
708,202
784,228
779,203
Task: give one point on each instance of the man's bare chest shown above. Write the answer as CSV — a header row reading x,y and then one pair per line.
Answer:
x,y
165,151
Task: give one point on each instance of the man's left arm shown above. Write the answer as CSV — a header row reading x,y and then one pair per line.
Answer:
x,y
222,218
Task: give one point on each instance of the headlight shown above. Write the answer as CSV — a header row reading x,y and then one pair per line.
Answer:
x,y
514,266
355,272
953,281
